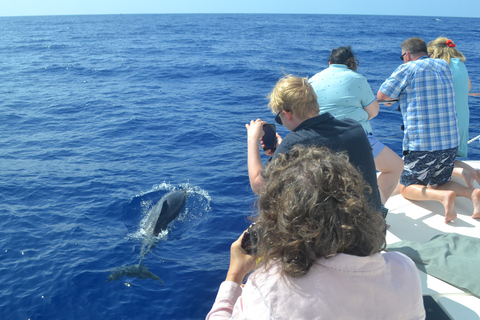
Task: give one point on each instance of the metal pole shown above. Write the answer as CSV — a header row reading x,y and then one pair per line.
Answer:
x,y
476,138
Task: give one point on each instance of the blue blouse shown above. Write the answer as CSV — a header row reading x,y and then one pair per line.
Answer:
x,y
343,93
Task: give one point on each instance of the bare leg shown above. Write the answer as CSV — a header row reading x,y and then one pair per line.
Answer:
x,y
420,192
390,166
466,172
476,204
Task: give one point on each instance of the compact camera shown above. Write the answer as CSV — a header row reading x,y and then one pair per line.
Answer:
x,y
250,239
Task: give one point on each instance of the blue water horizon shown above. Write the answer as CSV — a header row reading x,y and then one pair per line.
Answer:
x,y
101,111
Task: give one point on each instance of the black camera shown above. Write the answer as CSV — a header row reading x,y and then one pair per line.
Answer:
x,y
250,239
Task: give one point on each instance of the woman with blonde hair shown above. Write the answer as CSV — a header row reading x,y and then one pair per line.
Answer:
x,y
446,49
319,243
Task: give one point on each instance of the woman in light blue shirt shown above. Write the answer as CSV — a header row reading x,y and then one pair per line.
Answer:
x,y
346,94
444,48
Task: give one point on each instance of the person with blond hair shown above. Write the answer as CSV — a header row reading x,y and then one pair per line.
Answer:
x,y
446,49
294,102
320,247
345,93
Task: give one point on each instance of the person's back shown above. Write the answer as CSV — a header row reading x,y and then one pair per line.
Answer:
x,y
427,101
338,135
316,249
342,287
462,87
343,93
295,103
445,49
460,78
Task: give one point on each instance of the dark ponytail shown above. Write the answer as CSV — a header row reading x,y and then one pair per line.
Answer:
x,y
344,55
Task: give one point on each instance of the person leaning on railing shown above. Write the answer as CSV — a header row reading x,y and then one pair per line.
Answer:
x,y
446,49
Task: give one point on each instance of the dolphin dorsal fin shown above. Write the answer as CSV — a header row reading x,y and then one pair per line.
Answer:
x,y
164,206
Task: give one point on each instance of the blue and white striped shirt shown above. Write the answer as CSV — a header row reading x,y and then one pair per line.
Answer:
x,y
427,99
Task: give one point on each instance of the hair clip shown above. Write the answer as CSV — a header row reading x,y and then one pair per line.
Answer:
x,y
450,43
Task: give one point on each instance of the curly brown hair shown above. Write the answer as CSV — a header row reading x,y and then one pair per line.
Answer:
x,y
314,205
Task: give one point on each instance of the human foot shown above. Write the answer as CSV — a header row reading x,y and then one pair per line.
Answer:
x,y
449,217
449,204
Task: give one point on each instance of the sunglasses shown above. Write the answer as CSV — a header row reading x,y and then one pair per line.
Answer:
x,y
278,119
401,57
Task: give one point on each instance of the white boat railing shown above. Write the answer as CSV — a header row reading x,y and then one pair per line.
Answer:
x,y
476,138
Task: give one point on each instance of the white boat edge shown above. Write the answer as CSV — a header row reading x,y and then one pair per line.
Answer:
x,y
422,220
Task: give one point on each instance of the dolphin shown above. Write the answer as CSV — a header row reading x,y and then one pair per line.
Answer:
x,y
164,212
157,220
136,271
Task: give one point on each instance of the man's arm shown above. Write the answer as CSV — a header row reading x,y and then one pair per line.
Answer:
x,y
382,96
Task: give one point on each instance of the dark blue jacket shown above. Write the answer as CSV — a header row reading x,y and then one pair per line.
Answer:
x,y
338,135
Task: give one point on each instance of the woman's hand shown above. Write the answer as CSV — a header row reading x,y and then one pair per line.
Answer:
x,y
269,152
255,130
240,262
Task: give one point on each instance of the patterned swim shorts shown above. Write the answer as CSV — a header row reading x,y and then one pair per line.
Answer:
x,y
428,167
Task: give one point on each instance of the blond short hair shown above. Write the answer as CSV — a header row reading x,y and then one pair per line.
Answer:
x,y
293,94
439,49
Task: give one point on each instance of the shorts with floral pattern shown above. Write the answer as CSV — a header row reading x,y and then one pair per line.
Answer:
x,y
428,167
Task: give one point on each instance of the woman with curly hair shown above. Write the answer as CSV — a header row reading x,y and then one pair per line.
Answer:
x,y
318,254
345,93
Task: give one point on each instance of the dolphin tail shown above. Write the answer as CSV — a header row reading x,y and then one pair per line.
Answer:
x,y
134,271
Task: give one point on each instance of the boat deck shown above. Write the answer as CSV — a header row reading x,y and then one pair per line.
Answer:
x,y
422,220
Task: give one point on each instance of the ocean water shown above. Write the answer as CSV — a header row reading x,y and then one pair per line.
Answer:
x,y
102,115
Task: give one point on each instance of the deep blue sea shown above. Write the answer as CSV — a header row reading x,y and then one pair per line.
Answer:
x,y
101,115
